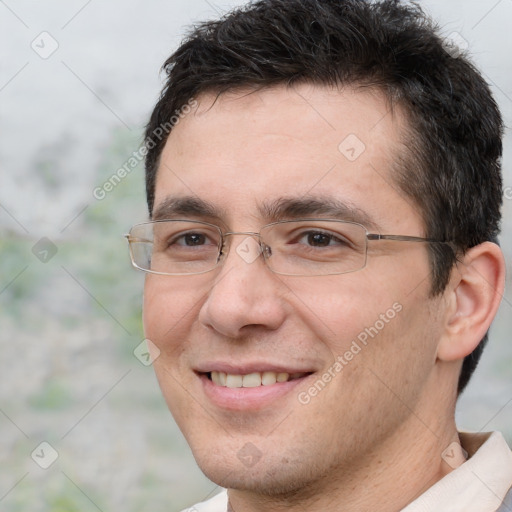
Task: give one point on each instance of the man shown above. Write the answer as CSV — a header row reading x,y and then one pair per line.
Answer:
x,y
321,258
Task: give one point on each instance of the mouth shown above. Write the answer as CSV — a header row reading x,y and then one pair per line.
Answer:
x,y
236,389
252,380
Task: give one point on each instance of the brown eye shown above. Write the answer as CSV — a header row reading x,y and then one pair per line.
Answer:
x,y
319,239
192,239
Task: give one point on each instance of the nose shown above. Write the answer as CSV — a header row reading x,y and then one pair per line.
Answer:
x,y
245,295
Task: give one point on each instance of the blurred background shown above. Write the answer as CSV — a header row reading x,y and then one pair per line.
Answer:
x,y
83,425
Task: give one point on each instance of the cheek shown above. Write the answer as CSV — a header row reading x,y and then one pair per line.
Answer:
x,y
338,309
369,318
169,308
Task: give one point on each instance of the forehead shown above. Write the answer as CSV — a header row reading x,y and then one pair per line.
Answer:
x,y
242,150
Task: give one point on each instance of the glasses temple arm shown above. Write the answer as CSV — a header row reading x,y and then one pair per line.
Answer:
x,y
135,239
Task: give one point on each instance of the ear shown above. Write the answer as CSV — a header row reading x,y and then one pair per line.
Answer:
x,y
473,296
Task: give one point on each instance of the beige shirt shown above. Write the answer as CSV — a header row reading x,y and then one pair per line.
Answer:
x,y
478,485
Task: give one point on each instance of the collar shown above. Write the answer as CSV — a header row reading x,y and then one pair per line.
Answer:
x,y
478,485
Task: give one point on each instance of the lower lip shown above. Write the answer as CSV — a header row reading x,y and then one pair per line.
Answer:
x,y
245,399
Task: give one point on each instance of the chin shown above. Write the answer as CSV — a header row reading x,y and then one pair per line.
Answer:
x,y
275,476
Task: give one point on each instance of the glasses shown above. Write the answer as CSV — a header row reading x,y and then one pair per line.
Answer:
x,y
309,247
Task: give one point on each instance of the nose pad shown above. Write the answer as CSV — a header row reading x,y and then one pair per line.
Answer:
x,y
222,251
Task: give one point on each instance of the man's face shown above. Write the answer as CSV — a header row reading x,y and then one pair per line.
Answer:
x,y
372,331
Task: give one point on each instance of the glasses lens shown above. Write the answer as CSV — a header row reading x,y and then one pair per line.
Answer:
x,y
314,248
175,247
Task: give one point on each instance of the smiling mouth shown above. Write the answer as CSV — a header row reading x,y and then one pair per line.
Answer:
x,y
252,380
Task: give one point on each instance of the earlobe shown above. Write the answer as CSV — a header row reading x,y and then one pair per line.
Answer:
x,y
473,297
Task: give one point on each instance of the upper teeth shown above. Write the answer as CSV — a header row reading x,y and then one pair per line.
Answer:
x,y
251,380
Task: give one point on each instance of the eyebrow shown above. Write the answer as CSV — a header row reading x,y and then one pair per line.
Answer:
x,y
284,208
322,206
187,206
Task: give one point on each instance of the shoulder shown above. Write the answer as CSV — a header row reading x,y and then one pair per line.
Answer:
x,y
218,503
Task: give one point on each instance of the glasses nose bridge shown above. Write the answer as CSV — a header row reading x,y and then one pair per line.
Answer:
x,y
263,248
246,233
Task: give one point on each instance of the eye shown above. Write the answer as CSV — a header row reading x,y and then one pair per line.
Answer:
x,y
320,239
190,239
183,239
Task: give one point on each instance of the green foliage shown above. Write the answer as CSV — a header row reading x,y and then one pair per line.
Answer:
x,y
66,503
